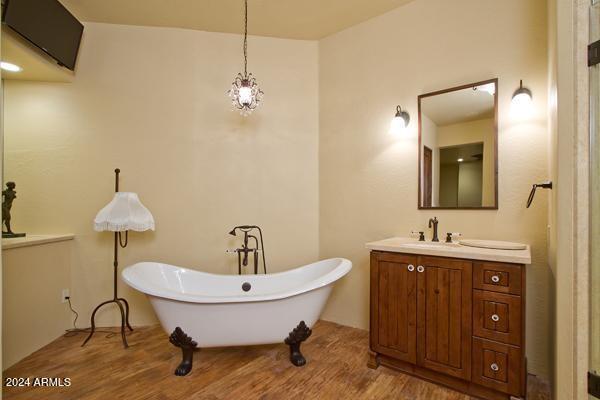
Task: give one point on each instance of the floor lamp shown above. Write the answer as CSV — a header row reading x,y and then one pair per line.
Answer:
x,y
124,213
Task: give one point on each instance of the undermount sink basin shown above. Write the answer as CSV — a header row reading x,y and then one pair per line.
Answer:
x,y
493,244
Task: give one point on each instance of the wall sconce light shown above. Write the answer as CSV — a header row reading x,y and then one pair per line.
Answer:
x,y
400,121
521,100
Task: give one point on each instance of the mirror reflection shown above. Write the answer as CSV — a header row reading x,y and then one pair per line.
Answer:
x,y
457,142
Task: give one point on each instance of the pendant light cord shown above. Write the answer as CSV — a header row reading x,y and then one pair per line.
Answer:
x,y
246,38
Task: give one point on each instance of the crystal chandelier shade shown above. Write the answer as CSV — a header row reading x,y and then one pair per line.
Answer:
x,y
244,93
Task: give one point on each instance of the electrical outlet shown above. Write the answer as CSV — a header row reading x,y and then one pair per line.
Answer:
x,y
65,294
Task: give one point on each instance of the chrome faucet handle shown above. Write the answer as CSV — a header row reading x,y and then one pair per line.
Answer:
x,y
420,233
452,235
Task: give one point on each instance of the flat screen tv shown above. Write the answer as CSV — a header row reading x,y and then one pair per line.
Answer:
x,y
48,25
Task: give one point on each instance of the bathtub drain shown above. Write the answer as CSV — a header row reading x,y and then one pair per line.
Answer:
x,y
246,286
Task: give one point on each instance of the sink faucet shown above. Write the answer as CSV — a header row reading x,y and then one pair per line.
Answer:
x,y
434,221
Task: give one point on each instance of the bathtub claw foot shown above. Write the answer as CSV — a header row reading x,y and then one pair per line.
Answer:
x,y
179,339
294,339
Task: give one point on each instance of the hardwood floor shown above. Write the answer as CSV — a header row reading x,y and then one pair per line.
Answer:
x,y
336,369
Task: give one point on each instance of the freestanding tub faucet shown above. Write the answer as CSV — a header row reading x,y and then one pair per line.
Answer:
x,y
434,221
243,251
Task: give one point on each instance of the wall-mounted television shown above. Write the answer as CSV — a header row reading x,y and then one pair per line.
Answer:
x,y
48,25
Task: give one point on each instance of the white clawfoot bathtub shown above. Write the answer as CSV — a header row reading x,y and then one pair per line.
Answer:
x,y
216,310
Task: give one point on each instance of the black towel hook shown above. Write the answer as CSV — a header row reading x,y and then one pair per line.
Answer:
x,y
545,185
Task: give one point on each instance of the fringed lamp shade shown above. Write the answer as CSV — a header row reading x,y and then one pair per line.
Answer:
x,y
124,213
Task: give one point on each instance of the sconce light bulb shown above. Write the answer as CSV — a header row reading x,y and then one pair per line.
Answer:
x,y
522,100
245,95
400,121
398,124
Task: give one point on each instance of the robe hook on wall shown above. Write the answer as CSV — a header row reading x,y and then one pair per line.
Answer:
x,y
545,185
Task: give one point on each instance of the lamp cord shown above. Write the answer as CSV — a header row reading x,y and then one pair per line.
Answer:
x,y
123,245
245,38
75,330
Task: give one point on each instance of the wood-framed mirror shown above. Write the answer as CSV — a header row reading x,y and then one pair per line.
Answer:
x,y
458,147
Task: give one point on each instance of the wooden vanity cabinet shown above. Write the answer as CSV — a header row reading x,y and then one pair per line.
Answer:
x,y
394,330
456,322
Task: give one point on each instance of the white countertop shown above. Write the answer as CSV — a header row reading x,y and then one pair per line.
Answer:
x,y
34,240
454,250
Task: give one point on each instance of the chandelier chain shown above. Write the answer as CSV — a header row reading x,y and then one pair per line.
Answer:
x,y
244,93
246,38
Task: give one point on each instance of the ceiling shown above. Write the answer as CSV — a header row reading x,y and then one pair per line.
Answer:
x,y
458,106
468,152
306,19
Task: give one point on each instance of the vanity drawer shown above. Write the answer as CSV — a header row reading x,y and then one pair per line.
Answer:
x,y
497,366
497,277
497,316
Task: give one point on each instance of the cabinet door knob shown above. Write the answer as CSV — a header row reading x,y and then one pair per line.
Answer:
x,y
495,317
411,267
420,268
495,278
494,367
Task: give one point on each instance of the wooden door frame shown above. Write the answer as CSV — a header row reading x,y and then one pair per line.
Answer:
x,y
430,183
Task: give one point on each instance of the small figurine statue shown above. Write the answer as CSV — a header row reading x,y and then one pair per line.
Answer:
x,y
8,196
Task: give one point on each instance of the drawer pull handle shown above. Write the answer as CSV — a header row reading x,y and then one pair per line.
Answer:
x,y
495,318
420,268
494,367
495,278
411,267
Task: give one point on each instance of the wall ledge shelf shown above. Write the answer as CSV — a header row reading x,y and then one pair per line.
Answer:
x,y
35,240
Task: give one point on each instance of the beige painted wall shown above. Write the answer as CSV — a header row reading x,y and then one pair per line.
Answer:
x,y
33,314
368,178
152,101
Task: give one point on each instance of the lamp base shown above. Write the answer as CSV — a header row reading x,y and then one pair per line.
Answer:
x,y
124,319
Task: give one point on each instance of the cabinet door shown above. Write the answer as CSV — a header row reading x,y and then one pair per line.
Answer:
x,y
444,315
394,305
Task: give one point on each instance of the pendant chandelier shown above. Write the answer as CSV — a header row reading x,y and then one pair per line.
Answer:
x,y
244,93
